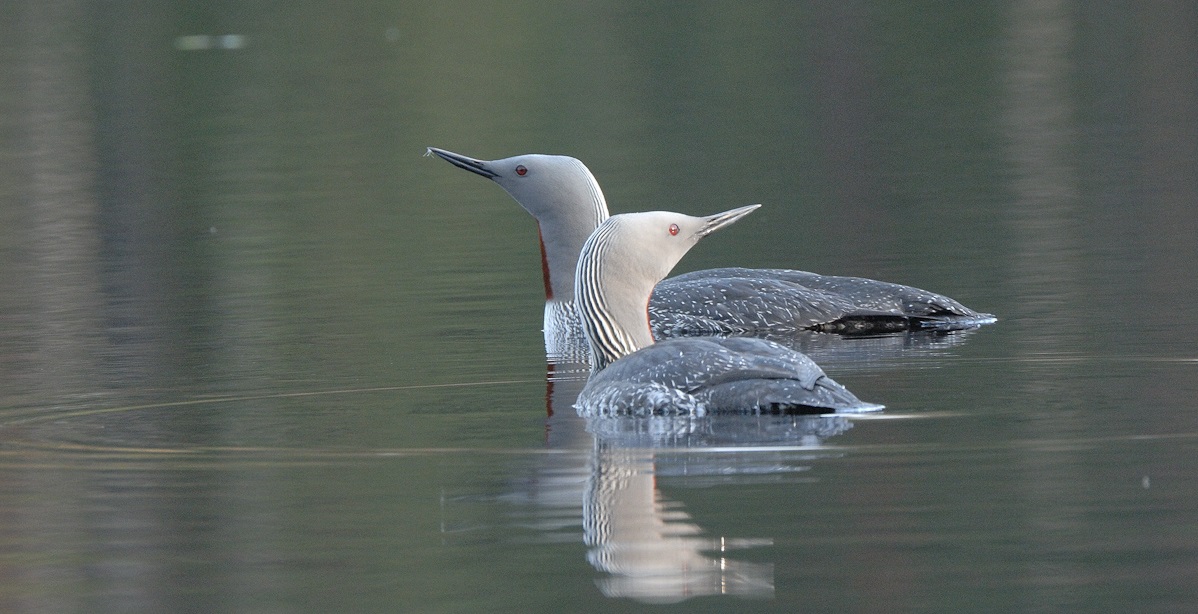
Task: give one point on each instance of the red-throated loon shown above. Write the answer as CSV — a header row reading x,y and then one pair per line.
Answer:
x,y
617,269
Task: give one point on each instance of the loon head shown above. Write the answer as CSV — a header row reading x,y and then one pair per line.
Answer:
x,y
560,193
620,264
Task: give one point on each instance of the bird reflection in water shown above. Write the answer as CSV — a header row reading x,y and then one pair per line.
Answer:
x,y
648,546
651,547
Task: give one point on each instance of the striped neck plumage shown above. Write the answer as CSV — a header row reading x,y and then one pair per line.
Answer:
x,y
611,303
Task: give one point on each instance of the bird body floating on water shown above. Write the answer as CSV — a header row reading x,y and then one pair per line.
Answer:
x,y
618,267
565,198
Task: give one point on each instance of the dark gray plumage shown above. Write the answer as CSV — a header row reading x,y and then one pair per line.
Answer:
x,y
713,375
739,301
617,269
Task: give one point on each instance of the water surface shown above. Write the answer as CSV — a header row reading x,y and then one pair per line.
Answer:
x,y
257,354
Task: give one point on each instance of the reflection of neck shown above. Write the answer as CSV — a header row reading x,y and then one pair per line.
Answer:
x,y
564,339
564,429
649,544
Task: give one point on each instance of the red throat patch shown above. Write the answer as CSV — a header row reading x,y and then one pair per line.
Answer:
x,y
544,266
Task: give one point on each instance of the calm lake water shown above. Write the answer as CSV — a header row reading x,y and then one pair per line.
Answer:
x,y
257,354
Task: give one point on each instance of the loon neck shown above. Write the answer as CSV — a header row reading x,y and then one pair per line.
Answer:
x,y
563,228
613,308
615,329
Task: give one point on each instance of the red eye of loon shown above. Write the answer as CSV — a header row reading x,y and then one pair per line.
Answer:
x,y
673,230
521,170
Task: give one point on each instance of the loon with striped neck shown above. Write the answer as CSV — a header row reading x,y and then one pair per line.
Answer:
x,y
618,267
567,203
